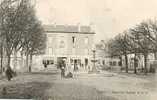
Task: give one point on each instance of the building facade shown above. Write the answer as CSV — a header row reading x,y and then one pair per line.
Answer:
x,y
70,43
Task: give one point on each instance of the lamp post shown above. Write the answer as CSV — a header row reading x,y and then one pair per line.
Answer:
x,y
94,61
94,70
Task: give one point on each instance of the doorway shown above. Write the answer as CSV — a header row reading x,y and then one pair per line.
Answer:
x,y
86,61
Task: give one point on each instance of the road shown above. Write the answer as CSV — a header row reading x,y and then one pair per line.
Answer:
x,y
84,86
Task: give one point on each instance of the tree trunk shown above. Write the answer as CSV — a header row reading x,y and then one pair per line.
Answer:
x,y
27,65
15,59
22,60
145,63
155,55
1,59
8,62
126,62
120,63
135,64
31,60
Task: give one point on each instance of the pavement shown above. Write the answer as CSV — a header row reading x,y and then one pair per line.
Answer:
x,y
102,86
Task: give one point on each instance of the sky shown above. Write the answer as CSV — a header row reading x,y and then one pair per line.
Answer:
x,y
106,17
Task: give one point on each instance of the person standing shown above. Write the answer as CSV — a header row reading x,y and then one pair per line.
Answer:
x,y
44,63
9,73
62,70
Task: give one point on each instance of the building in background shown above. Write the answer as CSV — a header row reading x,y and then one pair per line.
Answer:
x,y
151,62
70,43
104,59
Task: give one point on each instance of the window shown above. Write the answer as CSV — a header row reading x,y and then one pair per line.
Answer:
x,y
103,62
86,61
120,63
114,63
110,63
73,39
62,44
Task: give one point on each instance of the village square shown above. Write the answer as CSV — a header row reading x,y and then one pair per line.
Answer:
x,y
47,52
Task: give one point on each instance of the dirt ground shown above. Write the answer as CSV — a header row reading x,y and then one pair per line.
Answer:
x,y
102,86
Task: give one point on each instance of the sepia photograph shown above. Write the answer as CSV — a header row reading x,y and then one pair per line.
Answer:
x,y
78,49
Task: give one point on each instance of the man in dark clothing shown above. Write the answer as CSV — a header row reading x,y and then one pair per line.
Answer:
x,y
63,66
45,64
9,73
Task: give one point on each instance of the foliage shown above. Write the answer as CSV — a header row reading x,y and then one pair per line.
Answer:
x,y
20,28
141,39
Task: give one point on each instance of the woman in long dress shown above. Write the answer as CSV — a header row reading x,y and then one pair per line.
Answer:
x,y
62,71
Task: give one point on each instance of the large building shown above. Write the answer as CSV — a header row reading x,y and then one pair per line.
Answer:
x,y
73,44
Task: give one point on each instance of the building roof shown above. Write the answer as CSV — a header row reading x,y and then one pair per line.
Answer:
x,y
68,29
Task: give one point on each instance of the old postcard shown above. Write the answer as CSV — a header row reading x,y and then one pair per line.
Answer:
x,y
78,50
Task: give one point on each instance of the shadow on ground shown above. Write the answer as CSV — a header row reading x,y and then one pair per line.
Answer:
x,y
26,90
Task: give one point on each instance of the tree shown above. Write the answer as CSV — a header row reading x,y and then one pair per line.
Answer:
x,y
139,40
19,27
8,29
153,35
36,43
121,46
33,41
140,37
1,53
